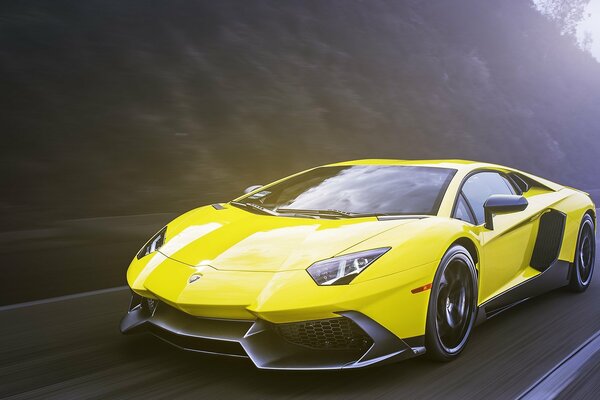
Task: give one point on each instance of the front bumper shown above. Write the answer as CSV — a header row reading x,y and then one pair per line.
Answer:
x,y
351,341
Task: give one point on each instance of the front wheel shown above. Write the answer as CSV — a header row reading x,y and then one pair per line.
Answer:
x,y
585,254
452,305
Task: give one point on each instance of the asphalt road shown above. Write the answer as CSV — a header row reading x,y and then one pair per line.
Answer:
x,y
71,256
73,349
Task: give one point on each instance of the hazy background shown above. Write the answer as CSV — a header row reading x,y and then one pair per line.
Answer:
x,y
114,112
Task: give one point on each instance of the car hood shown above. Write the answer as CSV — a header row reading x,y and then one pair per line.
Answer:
x,y
237,240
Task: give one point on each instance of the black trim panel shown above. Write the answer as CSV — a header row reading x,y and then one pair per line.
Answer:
x,y
261,341
554,277
415,341
549,240
199,344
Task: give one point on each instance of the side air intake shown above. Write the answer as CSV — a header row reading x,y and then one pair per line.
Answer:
x,y
549,240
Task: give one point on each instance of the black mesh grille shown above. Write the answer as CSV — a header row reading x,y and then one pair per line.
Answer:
x,y
549,239
334,333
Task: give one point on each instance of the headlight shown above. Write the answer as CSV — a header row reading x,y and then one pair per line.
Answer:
x,y
341,270
153,244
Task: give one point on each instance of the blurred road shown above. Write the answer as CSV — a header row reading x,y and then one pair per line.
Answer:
x,y
72,256
72,349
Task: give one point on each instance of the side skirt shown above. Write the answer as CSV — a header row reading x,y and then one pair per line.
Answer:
x,y
554,277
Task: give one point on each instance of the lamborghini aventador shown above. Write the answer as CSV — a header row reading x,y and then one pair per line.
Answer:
x,y
359,263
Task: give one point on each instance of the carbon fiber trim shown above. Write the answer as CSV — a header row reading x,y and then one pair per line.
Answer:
x,y
555,276
263,343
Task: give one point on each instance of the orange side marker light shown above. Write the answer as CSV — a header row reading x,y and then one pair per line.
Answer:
x,y
421,288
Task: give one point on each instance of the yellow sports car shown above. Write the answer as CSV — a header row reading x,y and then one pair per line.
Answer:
x,y
359,263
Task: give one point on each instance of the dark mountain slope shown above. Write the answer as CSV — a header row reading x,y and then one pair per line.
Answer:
x,y
119,107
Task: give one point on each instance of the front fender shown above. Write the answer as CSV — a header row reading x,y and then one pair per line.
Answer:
x,y
413,245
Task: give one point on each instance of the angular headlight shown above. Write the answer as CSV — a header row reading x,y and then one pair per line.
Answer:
x,y
153,244
341,270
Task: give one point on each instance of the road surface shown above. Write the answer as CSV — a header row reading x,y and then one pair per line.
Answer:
x,y
72,348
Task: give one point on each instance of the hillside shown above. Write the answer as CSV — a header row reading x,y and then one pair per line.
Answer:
x,y
129,107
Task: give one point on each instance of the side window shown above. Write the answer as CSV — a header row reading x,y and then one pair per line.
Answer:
x,y
482,185
462,211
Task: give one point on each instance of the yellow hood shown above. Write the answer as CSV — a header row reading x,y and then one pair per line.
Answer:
x,y
231,239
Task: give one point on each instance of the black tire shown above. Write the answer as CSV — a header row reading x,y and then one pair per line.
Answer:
x,y
452,305
585,255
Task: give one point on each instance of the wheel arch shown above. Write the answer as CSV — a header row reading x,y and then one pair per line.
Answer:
x,y
574,237
576,205
471,247
430,342
592,213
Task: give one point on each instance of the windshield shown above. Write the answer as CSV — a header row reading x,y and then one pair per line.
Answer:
x,y
359,189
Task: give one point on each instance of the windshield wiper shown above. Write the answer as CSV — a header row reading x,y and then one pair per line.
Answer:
x,y
388,217
253,206
336,213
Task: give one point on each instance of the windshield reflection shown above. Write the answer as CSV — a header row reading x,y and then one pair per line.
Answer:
x,y
360,189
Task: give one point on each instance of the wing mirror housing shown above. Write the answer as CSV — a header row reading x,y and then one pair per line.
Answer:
x,y
252,188
502,204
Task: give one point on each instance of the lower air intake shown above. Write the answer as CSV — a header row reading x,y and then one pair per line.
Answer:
x,y
330,334
204,345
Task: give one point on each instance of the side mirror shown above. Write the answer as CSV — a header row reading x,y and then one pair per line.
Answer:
x,y
252,188
502,204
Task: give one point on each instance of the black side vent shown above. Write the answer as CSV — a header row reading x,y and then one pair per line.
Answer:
x,y
549,240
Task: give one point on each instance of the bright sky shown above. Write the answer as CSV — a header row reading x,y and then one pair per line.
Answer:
x,y
587,31
591,25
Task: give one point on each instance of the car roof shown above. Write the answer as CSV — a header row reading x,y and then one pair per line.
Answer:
x,y
461,165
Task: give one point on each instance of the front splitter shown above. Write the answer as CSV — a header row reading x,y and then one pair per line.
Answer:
x,y
261,343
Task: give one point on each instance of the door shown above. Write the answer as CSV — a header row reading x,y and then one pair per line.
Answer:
x,y
505,249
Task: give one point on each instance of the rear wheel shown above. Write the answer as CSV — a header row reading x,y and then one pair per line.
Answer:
x,y
452,305
585,254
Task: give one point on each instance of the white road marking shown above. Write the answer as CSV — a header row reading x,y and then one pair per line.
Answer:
x,y
62,298
558,378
